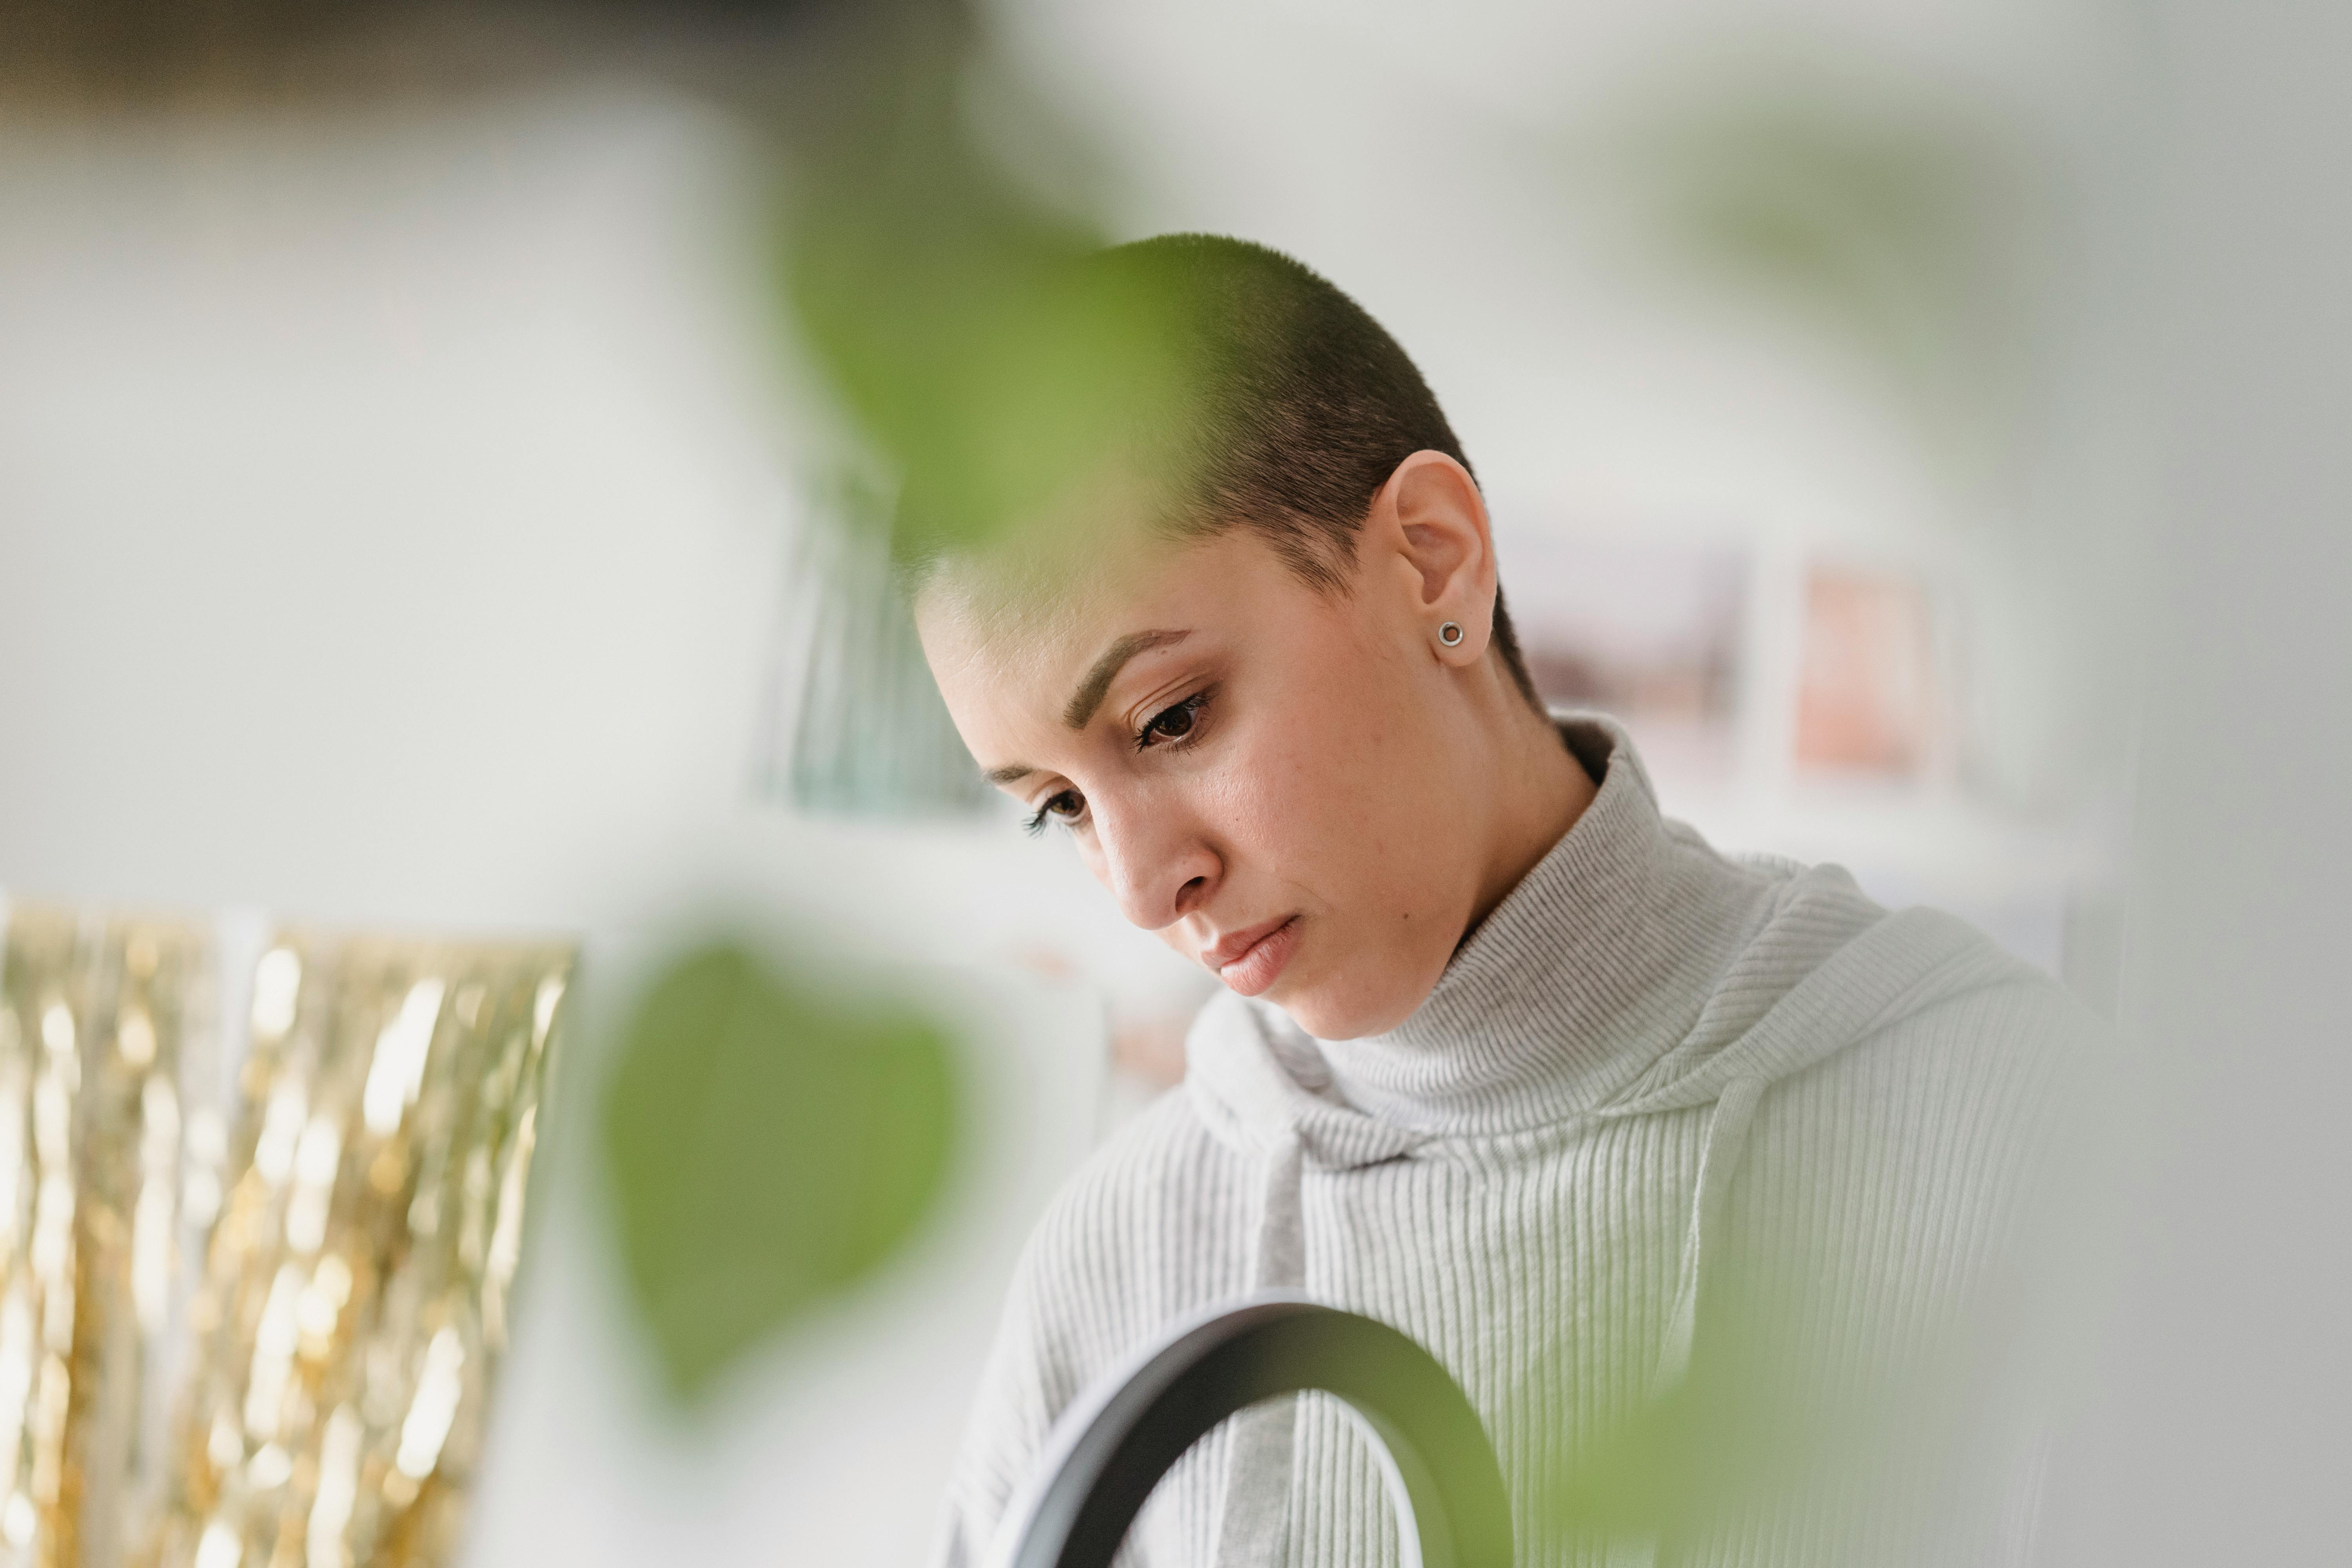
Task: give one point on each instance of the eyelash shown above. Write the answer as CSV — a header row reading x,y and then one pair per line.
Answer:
x,y
1190,708
1046,813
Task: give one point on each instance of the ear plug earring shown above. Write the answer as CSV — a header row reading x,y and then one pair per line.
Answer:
x,y
1449,634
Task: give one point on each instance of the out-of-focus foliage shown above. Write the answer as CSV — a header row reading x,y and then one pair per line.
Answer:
x,y
982,371
1768,1424
1901,226
1682,1464
942,298
769,1147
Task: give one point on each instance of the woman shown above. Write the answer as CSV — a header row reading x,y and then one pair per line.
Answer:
x,y
1504,1057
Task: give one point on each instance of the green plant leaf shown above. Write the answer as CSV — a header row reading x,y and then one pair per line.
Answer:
x,y
767,1147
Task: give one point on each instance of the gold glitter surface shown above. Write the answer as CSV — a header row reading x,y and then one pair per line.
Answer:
x,y
254,1271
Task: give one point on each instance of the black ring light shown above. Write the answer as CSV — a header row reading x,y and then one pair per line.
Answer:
x,y
1114,1450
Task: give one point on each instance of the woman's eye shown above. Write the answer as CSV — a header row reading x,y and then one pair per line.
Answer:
x,y
1173,723
1065,807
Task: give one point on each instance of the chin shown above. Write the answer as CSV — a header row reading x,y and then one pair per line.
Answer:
x,y
1345,1007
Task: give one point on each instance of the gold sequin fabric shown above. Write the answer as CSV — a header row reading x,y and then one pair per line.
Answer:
x,y
261,1202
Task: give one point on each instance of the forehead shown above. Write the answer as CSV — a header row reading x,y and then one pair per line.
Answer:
x,y
1003,620
1009,651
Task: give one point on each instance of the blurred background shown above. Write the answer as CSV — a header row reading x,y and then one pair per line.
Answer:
x,y
444,464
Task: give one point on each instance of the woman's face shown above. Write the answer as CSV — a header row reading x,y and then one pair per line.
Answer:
x,y
1264,775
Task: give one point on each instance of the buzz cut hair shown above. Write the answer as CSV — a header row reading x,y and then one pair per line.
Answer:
x,y
1305,405
1254,394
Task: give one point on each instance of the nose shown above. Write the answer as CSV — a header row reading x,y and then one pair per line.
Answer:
x,y
1157,863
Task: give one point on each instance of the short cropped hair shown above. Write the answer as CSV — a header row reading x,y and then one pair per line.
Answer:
x,y
1295,405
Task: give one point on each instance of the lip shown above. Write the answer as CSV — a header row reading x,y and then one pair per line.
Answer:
x,y
1251,959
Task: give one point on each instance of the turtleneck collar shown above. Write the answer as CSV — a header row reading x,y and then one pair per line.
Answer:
x,y
1596,965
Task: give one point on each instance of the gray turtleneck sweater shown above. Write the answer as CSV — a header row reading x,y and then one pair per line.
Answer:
x,y
1661,1103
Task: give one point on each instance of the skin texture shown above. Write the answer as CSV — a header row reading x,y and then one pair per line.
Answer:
x,y
1239,756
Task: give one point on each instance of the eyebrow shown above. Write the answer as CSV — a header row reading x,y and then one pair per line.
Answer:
x,y
1089,698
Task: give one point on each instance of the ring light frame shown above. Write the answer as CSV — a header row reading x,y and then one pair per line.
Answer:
x,y
1108,1452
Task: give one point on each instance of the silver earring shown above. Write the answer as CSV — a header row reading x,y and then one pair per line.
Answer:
x,y
1449,634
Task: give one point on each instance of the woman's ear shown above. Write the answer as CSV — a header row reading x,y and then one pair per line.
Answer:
x,y
1431,523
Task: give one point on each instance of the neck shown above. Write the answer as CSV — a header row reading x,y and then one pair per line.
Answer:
x,y
1540,790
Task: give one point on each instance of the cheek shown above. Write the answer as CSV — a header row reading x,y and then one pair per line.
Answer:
x,y
1311,798
1342,795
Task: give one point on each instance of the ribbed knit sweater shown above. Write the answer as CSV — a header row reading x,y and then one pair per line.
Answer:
x,y
1661,1099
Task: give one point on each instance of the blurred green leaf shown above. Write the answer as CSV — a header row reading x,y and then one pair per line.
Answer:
x,y
946,304
1770,1421
1679,1465
1910,225
768,1147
